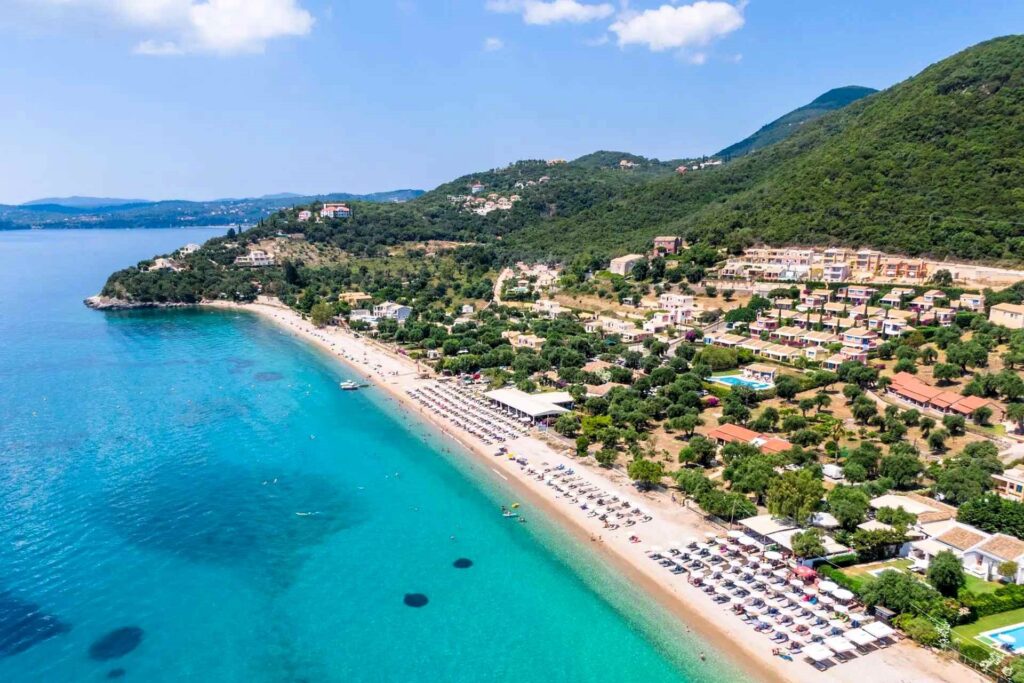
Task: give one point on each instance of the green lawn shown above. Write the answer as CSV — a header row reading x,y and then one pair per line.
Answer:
x,y
969,632
862,569
976,585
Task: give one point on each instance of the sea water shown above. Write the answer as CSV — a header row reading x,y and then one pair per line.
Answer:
x,y
187,495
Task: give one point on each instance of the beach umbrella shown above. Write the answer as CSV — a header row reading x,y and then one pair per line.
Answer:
x,y
805,572
773,555
746,540
655,549
820,631
826,600
878,629
818,653
691,541
827,586
733,533
821,614
839,644
842,594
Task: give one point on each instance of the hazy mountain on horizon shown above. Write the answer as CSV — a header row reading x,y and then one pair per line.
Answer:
x,y
87,202
80,202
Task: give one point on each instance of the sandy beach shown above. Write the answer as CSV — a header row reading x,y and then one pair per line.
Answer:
x,y
398,375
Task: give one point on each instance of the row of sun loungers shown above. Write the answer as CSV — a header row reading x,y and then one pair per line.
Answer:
x,y
594,501
468,410
814,618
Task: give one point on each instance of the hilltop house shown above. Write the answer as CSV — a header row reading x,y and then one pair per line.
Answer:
x,y
667,245
333,210
257,258
623,265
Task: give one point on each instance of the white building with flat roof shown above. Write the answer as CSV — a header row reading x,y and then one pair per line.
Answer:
x,y
623,265
531,407
391,310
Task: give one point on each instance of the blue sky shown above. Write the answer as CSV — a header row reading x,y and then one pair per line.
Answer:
x,y
211,98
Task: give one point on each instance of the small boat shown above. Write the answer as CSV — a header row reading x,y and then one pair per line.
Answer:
x,y
348,385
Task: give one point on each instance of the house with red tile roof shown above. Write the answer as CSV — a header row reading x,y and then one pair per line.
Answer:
x,y
730,433
913,390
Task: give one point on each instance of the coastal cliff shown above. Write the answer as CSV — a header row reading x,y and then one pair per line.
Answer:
x,y
107,303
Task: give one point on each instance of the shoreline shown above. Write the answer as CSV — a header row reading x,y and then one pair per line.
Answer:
x,y
395,374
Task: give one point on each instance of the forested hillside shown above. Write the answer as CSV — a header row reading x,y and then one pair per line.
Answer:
x,y
933,165
784,126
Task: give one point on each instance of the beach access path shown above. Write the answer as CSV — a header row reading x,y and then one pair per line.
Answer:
x,y
396,374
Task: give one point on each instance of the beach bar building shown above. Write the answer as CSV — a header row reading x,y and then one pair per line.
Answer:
x,y
531,408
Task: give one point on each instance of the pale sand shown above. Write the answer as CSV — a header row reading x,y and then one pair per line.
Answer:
x,y
905,662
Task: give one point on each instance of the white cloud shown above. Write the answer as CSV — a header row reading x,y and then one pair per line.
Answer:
x,y
155,48
674,27
218,26
493,44
541,12
697,58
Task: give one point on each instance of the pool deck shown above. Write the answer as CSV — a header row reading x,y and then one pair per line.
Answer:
x,y
740,380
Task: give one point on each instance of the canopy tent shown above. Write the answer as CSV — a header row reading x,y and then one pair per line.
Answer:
x,y
860,636
839,644
879,630
818,653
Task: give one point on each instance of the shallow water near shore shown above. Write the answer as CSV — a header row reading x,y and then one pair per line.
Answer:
x,y
187,495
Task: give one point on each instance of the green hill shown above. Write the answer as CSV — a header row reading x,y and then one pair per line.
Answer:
x,y
933,165
784,126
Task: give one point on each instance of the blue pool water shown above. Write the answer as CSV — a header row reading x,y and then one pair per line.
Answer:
x,y
740,381
187,495
1013,636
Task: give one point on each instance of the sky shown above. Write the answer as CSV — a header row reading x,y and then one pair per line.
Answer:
x,y
197,99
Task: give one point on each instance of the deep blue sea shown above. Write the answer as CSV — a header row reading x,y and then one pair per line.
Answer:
x,y
187,495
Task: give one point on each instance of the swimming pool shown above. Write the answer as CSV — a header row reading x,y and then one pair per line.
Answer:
x,y
1000,638
741,381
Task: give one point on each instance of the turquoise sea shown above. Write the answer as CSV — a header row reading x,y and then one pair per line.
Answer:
x,y
187,495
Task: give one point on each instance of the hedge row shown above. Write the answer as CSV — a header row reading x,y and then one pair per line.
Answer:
x,y
1000,600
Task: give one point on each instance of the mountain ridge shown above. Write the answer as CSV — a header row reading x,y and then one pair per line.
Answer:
x,y
930,166
789,123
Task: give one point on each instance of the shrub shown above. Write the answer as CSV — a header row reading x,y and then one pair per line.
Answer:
x,y
972,651
919,629
848,582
